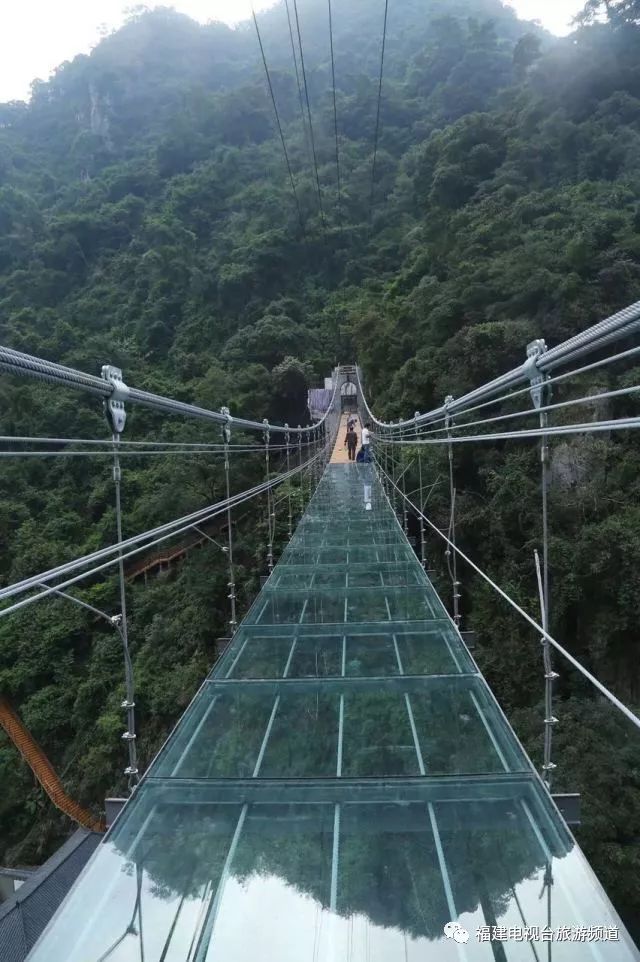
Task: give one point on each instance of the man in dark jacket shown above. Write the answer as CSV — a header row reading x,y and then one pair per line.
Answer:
x,y
351,442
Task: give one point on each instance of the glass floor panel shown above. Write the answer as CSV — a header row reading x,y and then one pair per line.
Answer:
x,y
313,555
397,574
317,651
342,787
334,538
340,606
314,728
341,871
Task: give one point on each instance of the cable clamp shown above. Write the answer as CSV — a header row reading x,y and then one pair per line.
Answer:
x,y
126,704
114,404
226,428
128,737
535,350
551,675
549,766
551,721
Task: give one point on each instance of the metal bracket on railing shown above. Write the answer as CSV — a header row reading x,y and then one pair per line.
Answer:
x,y
423,552
287,441
451,556
114,405
226,428
536,378
231,584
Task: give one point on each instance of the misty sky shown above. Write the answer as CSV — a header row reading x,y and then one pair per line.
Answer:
x,y
37,35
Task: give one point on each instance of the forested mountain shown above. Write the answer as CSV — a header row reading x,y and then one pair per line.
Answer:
x,y
147,220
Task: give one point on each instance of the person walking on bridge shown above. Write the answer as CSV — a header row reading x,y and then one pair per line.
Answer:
x,y
351,441
366,441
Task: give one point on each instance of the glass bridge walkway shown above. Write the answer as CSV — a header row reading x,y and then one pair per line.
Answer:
x,y
342,787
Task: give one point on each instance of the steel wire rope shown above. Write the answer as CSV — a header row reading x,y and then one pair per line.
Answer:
x,y
615,327
306,95
16,362
279,125
576,372
335,115
187,521
377,127
298,85
527,412
170,453
205,514
545,634
590,427
209,446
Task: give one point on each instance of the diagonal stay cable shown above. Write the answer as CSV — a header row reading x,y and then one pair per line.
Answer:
x,y
545,634
275,110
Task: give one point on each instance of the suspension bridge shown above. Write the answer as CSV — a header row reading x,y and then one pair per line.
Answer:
x,y
344,785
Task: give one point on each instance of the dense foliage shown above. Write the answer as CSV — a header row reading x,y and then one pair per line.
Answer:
x,y
147,220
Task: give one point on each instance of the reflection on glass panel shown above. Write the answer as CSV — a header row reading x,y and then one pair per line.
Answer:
x,y
371,655
342,787
262,656
390,726
303,740
377,735
219,737
317,657
328,871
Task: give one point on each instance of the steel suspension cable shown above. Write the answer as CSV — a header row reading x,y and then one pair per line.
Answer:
x,y
335,114
305,133
16,362
573,402
306,94
377,127
590,427
279,125
616,327
558,378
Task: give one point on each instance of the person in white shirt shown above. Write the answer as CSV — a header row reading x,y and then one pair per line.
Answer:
x,y
366,440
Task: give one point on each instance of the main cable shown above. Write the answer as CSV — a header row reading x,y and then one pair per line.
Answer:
x,y
16,362
275,109
572,402
335,114
377,129
306,94
305,133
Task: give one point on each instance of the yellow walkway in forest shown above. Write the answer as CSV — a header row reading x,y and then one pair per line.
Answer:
x,y
340,454
43,770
